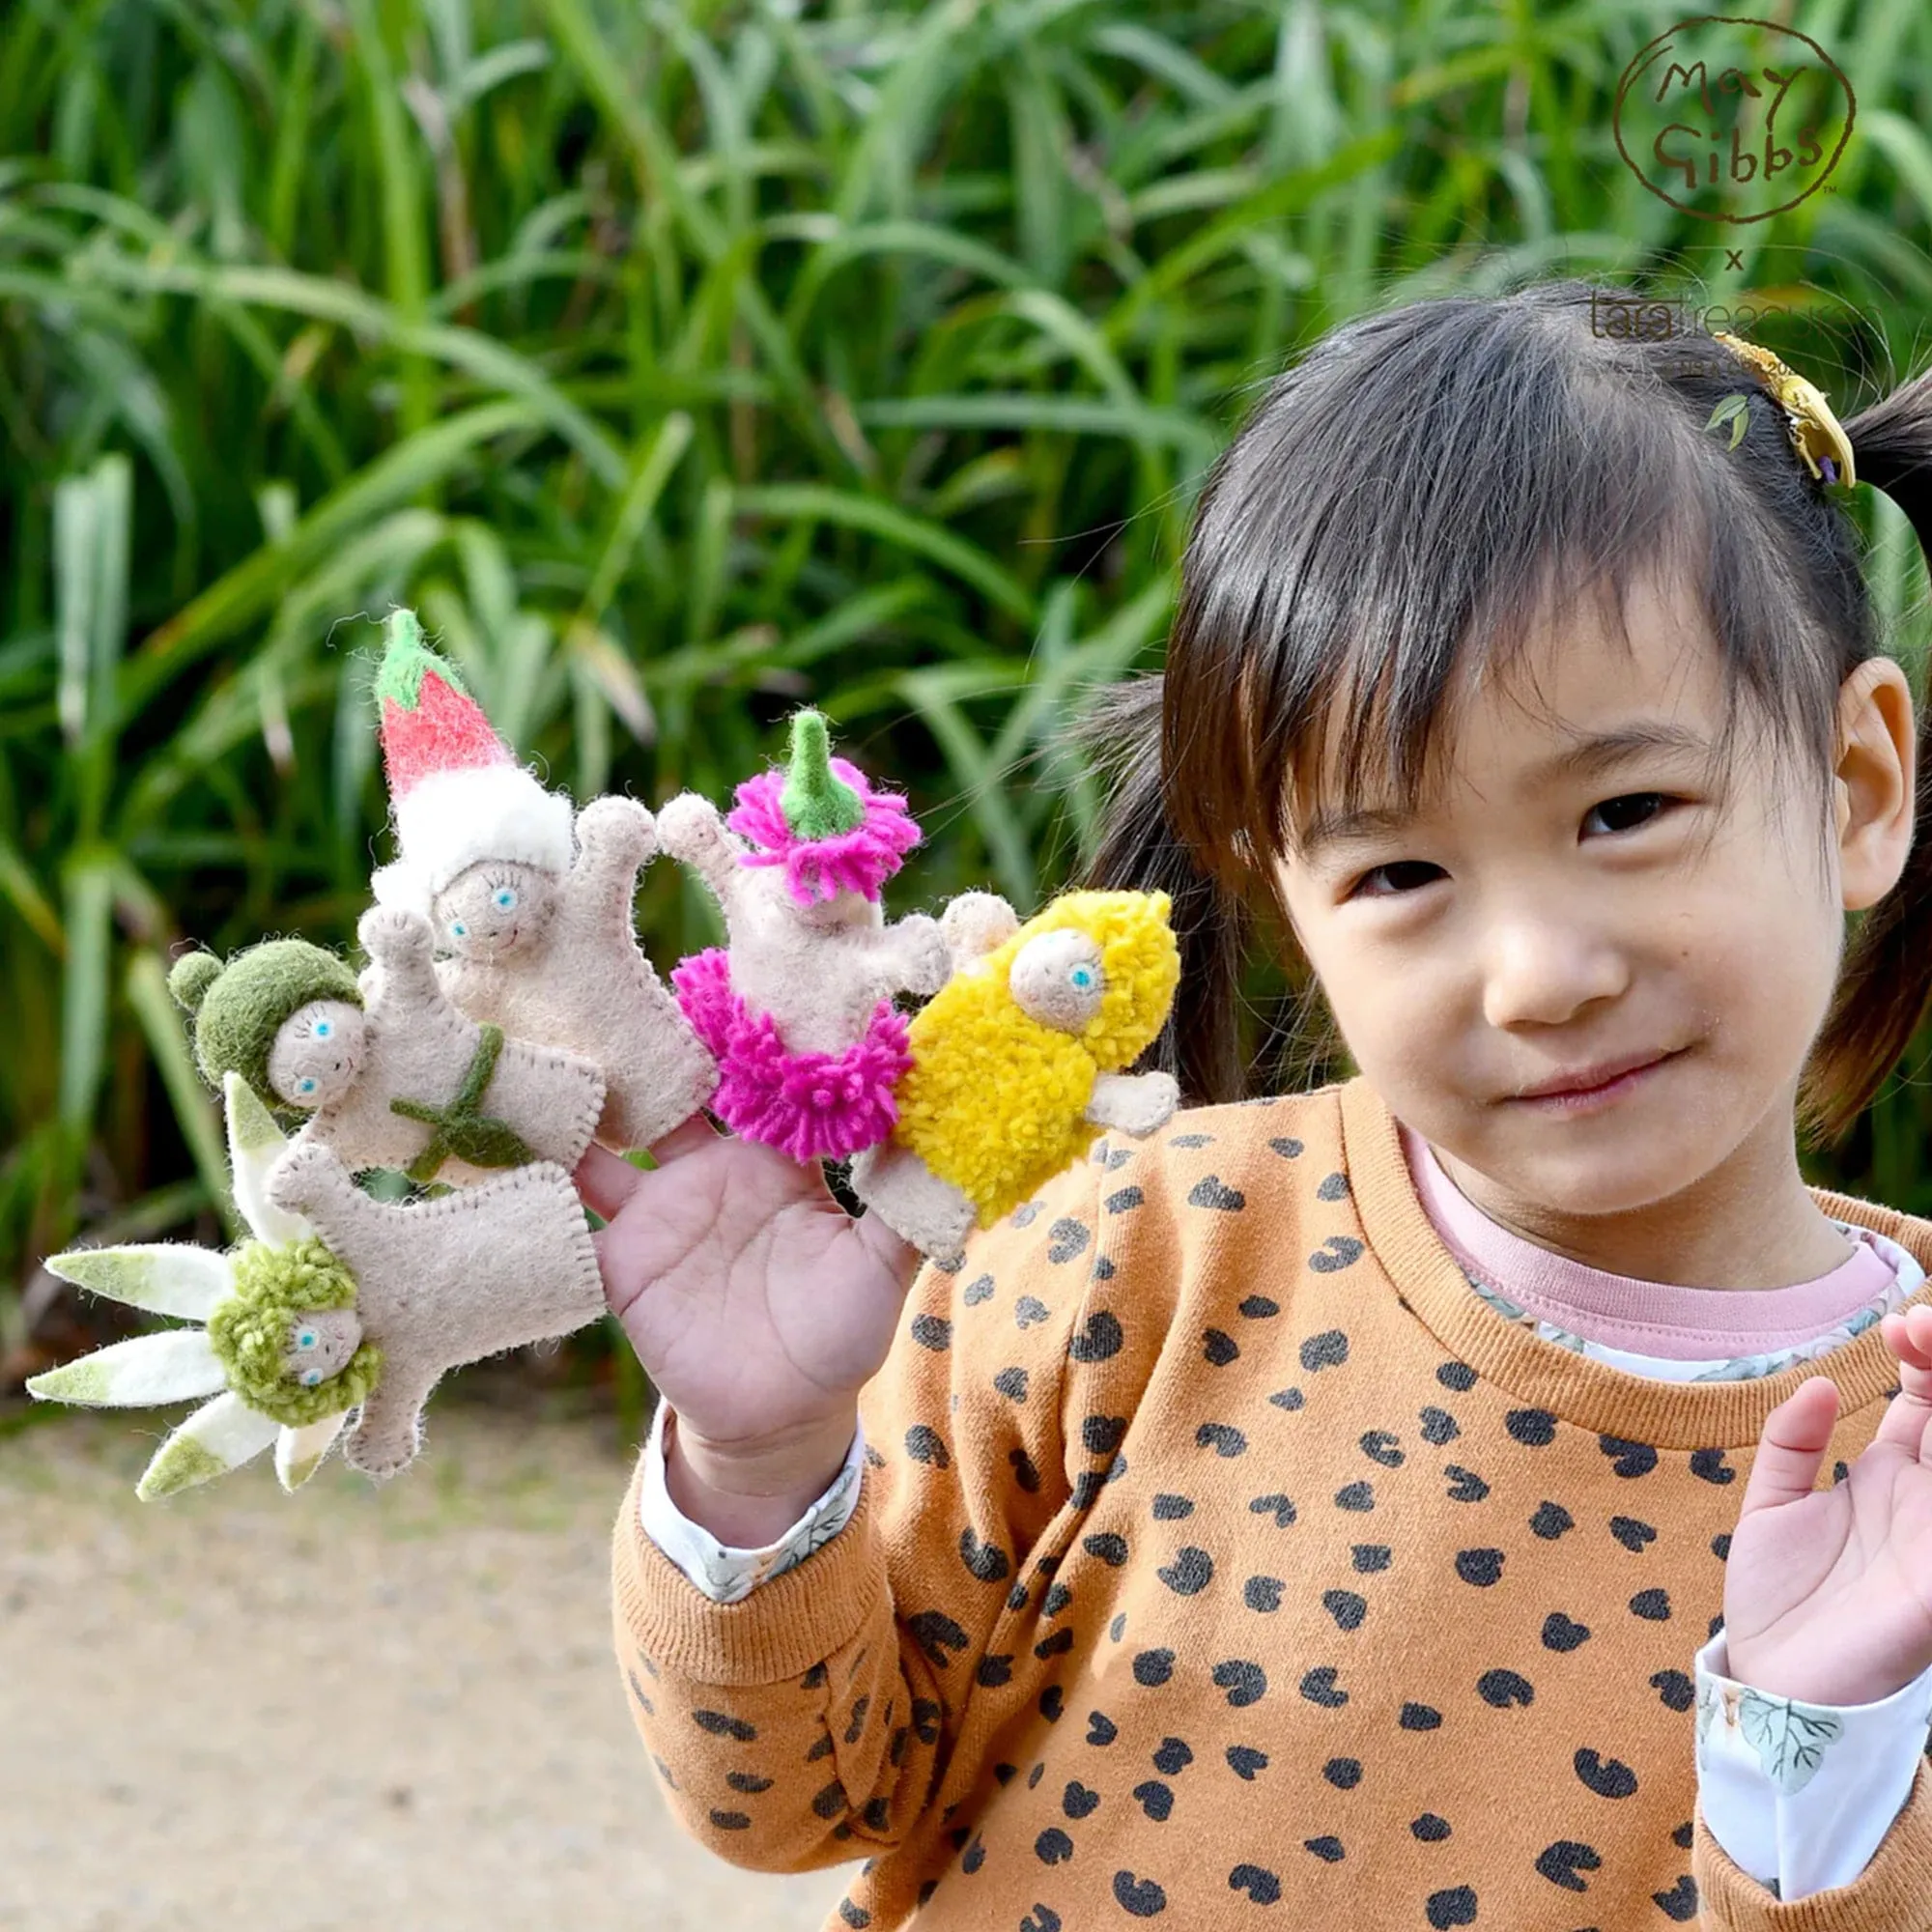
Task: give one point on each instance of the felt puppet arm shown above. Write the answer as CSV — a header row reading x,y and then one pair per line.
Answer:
x,y
690,829
976,924
914,957
402,953
1134,1103
617,838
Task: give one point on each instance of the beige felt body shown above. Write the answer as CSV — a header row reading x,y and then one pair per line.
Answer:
x,y
445,1282
583,982
419,1047
818,971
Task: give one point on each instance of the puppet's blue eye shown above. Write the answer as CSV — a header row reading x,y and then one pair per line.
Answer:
x,y
324,1028
1082,975
458,930
506,898
307,1339
306,1084
311,1379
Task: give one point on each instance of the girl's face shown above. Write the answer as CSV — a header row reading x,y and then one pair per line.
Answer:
x,y
1559,904
316,1053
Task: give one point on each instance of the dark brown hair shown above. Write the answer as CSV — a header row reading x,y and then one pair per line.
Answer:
x,y
1418,487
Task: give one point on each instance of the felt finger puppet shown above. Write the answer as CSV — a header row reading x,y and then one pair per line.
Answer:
x,y
341,1310
387,1069
797,1009
443,1282
537,925
1016,1061
280,1357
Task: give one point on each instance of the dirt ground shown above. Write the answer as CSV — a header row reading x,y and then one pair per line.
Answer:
x,y
247,1712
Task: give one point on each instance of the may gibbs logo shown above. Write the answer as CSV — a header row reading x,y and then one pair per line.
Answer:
x,y
1733,120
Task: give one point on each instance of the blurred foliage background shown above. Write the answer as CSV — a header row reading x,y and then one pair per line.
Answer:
x,y
682,361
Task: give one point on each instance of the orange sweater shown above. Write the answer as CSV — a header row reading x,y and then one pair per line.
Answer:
x,y
1220,1549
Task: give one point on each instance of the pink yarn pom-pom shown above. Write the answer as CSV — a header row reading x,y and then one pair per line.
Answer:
x,y
807,1105
860,860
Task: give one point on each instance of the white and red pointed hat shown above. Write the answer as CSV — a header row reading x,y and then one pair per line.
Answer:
x,y
457,793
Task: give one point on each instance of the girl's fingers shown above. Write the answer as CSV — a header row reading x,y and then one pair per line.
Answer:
x,y
685,1138
606,1180
1792,1447
1909,1335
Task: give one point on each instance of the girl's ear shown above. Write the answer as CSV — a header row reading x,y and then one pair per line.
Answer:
x,y
1873,787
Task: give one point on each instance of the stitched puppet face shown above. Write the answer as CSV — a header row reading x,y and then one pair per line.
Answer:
x,y
490,910
1056,980
320,1342
317,1054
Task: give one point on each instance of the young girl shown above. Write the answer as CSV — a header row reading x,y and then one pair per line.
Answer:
x,y
1486,1490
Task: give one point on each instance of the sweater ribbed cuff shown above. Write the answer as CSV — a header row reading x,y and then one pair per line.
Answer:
x,y
785,1626
1894,1893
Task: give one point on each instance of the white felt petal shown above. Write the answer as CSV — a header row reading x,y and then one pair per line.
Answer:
x,y
255,1144
220,1435
168,1277
299,1452
151,1369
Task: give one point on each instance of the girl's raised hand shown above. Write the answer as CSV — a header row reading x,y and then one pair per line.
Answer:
x,y
1828,1593
756,1305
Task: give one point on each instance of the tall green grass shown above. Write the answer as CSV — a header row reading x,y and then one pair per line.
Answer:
x,y
680,362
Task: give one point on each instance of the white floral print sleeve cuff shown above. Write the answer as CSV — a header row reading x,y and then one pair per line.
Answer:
x,y
724,1573
1801,1795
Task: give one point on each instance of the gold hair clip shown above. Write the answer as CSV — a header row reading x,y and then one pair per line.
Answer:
x,y
1816,434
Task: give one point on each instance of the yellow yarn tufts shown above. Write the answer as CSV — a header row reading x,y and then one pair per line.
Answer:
x,y
995,1100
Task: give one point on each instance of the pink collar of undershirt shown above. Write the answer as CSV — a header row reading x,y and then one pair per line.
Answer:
x,y
1650,1317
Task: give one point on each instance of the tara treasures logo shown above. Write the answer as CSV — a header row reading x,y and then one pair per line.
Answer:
x,y
1733,120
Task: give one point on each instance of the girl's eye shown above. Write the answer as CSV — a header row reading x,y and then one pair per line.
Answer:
x,y
322,1029
458,930
1652,805
1637,798
1398,866
506,898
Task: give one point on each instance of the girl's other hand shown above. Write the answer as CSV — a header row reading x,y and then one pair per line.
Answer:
x,y
1828,1593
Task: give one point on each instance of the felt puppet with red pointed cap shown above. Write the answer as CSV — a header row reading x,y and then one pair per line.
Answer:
x,y
531,906
458,793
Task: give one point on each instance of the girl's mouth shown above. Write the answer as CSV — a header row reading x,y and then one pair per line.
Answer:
x,y
1593,1099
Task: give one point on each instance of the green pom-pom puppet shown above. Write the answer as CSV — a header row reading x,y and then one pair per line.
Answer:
x,y
388,1070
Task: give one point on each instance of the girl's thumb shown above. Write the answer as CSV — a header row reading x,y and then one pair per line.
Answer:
x,y
1795,1436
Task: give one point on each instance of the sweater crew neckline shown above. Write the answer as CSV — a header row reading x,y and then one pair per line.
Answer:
x,y
1587,1393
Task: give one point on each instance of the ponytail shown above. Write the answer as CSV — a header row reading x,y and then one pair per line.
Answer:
x,y
1887,979
1136,850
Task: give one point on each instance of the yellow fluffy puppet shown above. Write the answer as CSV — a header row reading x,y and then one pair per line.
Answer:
x,y
1017,1059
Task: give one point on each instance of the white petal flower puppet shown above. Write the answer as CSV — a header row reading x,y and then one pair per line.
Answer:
x,y
341,1304
281,1353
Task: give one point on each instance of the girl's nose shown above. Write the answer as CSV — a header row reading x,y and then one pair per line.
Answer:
x,y
1545,965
